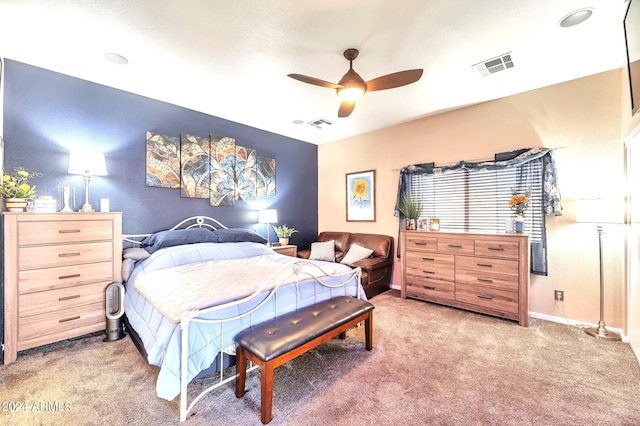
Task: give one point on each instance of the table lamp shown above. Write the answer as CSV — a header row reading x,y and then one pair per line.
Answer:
x,y
87,163
268,216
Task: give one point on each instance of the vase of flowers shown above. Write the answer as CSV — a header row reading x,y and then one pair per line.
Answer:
x,y
519,203
16,189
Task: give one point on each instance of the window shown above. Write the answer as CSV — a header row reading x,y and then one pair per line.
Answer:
x,y
478,200
474,197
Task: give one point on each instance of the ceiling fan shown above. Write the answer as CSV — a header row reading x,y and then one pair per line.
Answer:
x,y
352,87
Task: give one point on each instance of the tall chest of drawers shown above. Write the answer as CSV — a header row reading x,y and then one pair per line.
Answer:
x,y
57,267
478,272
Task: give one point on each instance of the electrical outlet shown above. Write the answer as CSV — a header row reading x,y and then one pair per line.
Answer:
x,y
559,295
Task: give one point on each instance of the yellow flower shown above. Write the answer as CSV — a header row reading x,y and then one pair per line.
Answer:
x,y
360,189
22,173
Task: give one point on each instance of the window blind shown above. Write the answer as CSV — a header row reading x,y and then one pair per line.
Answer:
x,y
477,200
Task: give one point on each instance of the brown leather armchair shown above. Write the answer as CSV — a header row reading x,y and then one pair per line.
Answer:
x,y
377,269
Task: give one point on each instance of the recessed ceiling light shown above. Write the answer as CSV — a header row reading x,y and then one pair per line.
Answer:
x,y
576,17
116,59
298,121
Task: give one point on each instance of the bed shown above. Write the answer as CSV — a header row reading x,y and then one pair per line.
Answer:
x,y
191,289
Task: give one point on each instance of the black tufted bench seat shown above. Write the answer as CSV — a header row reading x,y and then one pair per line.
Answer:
x,y
275,342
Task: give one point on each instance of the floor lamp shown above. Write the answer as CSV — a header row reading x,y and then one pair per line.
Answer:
x,y
600,211
268,216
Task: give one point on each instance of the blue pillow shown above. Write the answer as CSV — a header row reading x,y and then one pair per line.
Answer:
x,y
238,235
178,237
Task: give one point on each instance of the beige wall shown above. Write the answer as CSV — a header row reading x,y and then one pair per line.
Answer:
x,y
581,116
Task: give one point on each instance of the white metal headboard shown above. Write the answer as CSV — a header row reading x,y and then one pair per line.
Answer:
x,y
191,222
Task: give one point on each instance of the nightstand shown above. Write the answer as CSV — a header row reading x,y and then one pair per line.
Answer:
x,y
288,250
57,269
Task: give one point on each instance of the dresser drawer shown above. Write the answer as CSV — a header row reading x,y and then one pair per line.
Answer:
x,y
493,298
36,326
35,257
55,232
420,242
63,298
455,245
506,249
425,287
496,273
429,265
65,276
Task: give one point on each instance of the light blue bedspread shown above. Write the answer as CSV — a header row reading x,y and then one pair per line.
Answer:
x,y
162,338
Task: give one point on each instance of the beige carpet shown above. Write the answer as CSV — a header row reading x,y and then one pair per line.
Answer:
x,y
430,365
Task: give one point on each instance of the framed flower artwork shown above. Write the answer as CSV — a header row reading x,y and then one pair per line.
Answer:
x,y
361,196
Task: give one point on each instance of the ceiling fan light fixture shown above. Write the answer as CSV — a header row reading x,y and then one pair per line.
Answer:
x,y
350,94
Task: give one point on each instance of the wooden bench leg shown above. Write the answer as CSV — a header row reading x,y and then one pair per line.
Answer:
x,y
368,331
241,371
266,391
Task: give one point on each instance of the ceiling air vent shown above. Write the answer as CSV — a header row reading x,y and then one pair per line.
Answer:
x,y
492,66
320,123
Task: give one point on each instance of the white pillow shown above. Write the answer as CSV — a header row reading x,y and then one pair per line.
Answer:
x,y
356,253
323,251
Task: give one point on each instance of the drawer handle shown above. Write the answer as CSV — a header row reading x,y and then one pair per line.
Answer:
x,y
429,258
485,280
68,231
64,277
496,248
420,243
455,245
68,254
485,297
428,287
61,299
486,265
428,272
70,319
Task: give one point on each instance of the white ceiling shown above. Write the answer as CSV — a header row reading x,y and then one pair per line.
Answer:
x,y
231,58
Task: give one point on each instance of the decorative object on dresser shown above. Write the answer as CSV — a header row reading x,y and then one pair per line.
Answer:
x,y
16,190
477,272
268,216
600,211
377,265
286,249
56,271
411,208
87,163
283,232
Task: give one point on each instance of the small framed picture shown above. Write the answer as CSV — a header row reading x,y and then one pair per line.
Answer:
x,y
361,196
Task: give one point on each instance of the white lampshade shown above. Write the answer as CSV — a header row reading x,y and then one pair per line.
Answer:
x,y
90,163
600,210
268,216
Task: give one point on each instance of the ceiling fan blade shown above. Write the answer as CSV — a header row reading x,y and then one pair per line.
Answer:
x,y
396,79
346,108
314,81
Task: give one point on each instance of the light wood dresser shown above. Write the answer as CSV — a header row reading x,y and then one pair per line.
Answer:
x,y
478,272
57,267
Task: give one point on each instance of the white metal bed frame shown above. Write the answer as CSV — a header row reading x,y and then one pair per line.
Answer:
x,y
297,271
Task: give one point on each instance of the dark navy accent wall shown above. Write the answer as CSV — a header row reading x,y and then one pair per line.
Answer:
x,y
46,114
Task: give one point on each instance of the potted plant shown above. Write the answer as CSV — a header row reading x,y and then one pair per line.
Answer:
x,y
283,232
411,209
16,190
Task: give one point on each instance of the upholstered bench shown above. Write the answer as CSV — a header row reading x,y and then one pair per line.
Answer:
x,y
275,342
